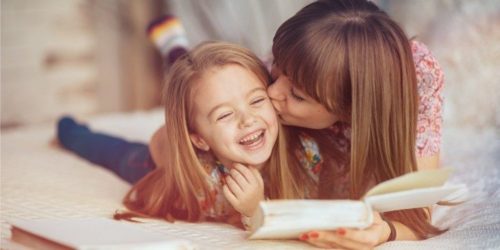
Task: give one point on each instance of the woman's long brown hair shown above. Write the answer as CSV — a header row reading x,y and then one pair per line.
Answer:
x,y
172,191
357,62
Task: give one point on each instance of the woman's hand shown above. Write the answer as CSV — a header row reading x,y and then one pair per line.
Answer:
x,y
244,189
344,238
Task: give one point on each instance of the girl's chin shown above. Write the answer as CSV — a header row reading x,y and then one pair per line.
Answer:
x,y
257,163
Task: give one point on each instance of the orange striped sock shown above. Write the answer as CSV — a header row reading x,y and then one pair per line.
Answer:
x,y
169,36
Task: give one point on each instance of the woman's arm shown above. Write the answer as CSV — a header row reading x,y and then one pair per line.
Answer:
x,y
428,162
430,82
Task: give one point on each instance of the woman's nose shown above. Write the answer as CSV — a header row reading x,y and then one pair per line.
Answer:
x,y
276,91
277,94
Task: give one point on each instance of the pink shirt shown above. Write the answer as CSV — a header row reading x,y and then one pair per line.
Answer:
x,y
430,81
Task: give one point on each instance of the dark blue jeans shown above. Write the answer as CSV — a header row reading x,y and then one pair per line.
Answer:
x,y
131,161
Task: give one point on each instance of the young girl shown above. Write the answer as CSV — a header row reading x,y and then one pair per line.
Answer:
x,y
222,136
344,69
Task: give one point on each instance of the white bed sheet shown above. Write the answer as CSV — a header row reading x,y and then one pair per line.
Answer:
x,y
41,181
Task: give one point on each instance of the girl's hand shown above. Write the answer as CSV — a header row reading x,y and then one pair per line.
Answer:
x,y
244,189
344,238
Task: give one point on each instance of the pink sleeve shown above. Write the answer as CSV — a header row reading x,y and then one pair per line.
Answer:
x,y
430,81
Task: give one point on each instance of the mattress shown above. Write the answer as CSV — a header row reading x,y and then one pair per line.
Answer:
x,y
40,180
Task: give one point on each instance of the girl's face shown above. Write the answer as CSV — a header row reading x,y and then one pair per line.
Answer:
x,y
295,107
233,116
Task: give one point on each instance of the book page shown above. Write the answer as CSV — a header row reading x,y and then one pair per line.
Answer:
x,y
416,198
287,219
419,179
98,233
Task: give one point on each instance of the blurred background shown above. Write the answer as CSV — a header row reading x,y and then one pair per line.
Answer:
x,y
88,57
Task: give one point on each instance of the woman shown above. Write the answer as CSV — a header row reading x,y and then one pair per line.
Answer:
x,y
347,74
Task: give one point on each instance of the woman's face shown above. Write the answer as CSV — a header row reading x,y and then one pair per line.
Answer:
x,y
295,107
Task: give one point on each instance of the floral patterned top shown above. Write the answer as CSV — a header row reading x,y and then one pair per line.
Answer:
x,y
430,82
220,209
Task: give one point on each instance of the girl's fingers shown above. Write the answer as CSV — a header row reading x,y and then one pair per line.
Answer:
x,y
244,171
239,178
229,195
257,176
233,186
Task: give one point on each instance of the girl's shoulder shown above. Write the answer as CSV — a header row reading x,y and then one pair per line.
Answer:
x,y
157,146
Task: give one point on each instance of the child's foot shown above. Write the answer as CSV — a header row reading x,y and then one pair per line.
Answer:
x,y
67,127
169,36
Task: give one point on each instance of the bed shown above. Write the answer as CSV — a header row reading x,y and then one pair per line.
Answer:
x,y
39,180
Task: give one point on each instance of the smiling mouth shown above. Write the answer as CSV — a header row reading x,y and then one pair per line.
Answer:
x,y
252,138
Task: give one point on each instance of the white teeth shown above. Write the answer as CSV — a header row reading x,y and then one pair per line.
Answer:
x,y
252,138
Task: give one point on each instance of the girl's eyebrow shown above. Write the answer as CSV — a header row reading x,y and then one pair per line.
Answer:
x,y
257,89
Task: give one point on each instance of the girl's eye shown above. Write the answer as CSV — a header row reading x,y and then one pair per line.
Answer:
x,y
258,100
295,96
223,116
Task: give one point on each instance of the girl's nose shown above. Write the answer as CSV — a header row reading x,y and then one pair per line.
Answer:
x,y
247,120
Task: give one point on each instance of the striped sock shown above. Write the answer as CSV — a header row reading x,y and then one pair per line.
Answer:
x,y
169,36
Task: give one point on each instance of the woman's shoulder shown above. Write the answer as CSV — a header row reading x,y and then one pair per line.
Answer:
x,y
430,82
418,48
430,76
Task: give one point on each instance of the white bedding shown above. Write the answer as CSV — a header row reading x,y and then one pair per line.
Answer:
x,y
41,181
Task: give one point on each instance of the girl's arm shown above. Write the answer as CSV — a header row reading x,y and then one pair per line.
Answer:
x,y
157,146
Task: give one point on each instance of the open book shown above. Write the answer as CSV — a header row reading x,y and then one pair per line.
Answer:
x,y
91,233
287,219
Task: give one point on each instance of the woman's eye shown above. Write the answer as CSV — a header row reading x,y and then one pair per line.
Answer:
x,y
295,96
223,116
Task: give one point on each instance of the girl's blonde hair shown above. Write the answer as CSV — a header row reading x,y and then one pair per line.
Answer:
x,y
357,62
172,191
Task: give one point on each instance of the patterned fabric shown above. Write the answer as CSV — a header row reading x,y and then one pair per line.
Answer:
x,y
430,80
220,209
310,157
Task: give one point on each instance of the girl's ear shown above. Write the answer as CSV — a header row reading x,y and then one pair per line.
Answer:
x,y
199,142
